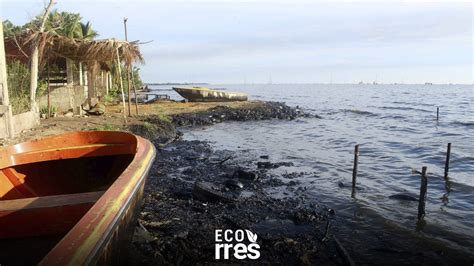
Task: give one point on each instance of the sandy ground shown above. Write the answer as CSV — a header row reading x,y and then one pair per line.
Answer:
x,y
113,118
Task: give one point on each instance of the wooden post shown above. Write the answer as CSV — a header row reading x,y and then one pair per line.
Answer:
x,y
70,71
128,73
4,88
354,170
49,92
81,82
107,83
423,190
110,81
121,87
446,166
136,96
437,113
102,82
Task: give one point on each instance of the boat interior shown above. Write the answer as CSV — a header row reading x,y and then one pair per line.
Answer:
x,y
46,187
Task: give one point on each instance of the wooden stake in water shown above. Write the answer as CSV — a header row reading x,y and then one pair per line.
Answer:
x,y
354,170
423,190
437,113
446,166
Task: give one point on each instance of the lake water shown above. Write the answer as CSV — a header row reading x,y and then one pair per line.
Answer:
x,y
397,130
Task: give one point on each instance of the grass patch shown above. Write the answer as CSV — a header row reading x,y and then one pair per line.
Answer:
x,y
44,110
110,127
161,116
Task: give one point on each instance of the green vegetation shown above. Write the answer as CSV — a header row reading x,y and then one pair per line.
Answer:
x,y
19,86
109,98
161,116
110,127
63,24
44,110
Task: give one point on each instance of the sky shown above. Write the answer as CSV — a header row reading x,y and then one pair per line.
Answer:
x,y
264,41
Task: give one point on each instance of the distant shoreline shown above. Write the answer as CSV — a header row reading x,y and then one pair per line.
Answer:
x,y
177,83
371,84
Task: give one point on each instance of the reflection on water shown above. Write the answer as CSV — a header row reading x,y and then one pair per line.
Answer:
x,y
397,130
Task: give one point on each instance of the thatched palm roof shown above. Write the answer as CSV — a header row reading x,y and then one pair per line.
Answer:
x,y
87,51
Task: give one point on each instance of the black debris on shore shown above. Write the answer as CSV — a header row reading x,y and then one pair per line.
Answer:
x,y
267,110
190,193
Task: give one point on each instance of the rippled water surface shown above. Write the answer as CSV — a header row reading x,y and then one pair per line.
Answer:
x,y
397,130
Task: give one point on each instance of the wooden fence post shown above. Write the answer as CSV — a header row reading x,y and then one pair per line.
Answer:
x,y
423,190
446,166
354,170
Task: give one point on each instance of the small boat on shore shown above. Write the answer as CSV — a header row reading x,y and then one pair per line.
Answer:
x,y
200,94
71,199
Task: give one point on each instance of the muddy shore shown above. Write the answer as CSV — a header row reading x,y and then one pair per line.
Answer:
x,y
178,218
193,190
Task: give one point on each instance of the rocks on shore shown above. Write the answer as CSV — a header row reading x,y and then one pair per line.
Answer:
x,y
265,111
210,192
246,175
270,165
182,209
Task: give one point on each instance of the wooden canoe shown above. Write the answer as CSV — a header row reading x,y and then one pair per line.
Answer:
x,y
199,94
71,199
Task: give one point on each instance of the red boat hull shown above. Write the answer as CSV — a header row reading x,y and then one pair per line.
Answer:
x,y
81,188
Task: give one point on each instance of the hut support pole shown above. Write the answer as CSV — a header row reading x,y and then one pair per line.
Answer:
x,y
70,71
129,89
111,84
135,92
121,87
107,84
4,88
49,93
81,82
128,72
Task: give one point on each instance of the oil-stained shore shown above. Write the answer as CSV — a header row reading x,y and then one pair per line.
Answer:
x,y
193,190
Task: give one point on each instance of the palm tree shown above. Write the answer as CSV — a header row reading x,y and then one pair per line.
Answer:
x,y
70,25
86,31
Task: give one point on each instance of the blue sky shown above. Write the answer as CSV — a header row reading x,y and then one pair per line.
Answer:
x,y
286,41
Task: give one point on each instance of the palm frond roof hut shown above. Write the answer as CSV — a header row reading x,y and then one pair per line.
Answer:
x,y
98,56
80,50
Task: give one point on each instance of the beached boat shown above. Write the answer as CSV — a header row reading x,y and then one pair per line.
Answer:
x,y
71,199
199,94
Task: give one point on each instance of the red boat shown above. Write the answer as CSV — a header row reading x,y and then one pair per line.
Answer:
x,y
71,198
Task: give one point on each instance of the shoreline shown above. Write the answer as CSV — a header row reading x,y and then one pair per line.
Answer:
x,y
188,222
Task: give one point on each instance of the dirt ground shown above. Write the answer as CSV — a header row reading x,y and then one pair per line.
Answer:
x,y
113,118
